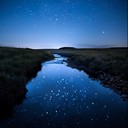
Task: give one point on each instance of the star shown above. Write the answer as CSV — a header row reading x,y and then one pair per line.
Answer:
x,y
92,103
103,32
50,19
45,5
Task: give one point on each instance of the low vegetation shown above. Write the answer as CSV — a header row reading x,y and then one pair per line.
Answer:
x,y
17,67
109,66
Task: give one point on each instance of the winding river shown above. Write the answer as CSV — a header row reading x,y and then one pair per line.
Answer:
x,y
62,97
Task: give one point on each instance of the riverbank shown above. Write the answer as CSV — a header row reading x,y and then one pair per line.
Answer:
x,y
109,66
17,67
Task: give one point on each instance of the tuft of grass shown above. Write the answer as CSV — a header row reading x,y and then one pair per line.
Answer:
x,y
17,67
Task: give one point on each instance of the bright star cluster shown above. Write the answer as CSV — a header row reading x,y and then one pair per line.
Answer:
x,y
57,23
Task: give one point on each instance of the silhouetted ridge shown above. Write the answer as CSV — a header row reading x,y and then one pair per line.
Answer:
x,y
67,48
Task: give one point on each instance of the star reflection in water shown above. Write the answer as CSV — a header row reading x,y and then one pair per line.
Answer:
x,y
60,96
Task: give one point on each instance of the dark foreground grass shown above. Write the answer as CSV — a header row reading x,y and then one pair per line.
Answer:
x,y
17,67
109,66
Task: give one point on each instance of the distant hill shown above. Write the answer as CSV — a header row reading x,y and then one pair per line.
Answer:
x,y
67,48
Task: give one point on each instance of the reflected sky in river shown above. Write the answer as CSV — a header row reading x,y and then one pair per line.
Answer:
x,y
62,97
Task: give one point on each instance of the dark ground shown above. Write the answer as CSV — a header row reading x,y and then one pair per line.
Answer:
x,y
17,67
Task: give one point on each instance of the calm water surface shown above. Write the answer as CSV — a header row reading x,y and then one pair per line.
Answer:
x,y
62,97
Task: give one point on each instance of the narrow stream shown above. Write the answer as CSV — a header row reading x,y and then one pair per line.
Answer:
x,y
62,97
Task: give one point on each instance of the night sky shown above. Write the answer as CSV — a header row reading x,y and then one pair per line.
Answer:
x,y
59,23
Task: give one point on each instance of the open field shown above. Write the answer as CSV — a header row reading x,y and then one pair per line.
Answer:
x,y
17,67
108,65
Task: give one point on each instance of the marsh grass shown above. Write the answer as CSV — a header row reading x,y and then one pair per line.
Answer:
x,y
109,65
17,67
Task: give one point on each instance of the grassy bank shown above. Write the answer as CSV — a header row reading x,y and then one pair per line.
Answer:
x,y
109,66
17,67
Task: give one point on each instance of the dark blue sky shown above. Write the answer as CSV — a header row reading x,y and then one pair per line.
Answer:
x,y
57,23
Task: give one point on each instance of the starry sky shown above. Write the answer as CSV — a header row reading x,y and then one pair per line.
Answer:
x,y
63,23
